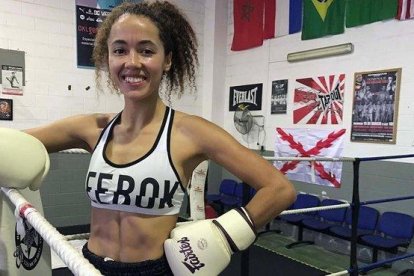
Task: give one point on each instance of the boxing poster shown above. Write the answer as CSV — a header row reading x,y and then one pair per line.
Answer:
x,y
302,142
249,95
375,106
12,80
279,97
319,100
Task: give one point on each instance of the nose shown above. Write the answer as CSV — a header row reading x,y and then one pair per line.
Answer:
x,y
133,59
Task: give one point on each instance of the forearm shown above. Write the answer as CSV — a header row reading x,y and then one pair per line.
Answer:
x,y
269,202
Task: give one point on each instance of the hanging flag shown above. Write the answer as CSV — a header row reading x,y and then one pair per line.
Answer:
x,y
248,24
296,142
368,11
282,17
323,17
405,9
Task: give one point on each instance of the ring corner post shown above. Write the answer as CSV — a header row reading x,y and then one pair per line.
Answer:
x,y
355,216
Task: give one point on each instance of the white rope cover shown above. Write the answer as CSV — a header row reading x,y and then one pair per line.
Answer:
x,y
315,209
69,255
343,272
77,151
316,158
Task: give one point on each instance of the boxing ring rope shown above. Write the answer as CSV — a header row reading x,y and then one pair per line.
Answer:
x,y
80,266
59,243
355,204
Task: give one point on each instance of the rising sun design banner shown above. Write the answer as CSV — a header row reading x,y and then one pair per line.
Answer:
x,y
319,100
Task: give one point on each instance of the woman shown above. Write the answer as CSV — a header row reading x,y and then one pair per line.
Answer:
x,y
143,157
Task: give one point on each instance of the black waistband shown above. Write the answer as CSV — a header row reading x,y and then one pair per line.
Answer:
x,y
114,268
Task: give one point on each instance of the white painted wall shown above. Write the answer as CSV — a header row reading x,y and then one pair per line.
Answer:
x,y
381,45
45,30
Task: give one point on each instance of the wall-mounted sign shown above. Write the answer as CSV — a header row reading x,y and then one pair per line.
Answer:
x,y
249,95
375,106
279,97
319,100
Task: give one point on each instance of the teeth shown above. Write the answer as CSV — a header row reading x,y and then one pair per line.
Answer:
x,y
133,79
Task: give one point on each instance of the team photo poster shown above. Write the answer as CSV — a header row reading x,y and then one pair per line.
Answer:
x,y
375,106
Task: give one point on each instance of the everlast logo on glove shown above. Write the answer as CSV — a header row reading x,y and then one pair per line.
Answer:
x,y
191,261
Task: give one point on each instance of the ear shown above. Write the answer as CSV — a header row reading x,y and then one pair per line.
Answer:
x,y
168,62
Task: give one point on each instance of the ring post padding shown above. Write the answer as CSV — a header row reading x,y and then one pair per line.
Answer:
x,y
22,255
69,255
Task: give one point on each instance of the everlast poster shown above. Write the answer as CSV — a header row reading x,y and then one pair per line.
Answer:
x,y
249,95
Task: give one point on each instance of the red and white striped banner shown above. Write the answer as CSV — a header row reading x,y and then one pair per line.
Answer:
x,y
405,9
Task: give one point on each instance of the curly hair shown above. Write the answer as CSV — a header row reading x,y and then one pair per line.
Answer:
x,y
176,34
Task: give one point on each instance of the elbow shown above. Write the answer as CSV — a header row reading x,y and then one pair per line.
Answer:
x,y
289,193
292,195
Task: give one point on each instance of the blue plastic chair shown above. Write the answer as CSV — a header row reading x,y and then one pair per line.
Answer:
x,y
227,187
302,201
394,230
326,218
233,200
367,223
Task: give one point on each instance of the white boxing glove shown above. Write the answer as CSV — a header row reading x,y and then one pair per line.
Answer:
x,y
204,247
24,160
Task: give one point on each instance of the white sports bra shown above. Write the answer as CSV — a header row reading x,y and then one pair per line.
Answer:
x,y
149,185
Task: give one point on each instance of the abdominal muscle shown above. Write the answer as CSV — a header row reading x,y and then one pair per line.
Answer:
x,y
128,237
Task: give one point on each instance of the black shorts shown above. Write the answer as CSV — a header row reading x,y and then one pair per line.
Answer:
x,y
114,268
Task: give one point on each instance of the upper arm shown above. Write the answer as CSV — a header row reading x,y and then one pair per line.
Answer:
x,y
216,144
81,131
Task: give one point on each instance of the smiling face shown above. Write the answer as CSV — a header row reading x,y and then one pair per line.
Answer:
x,y
136,56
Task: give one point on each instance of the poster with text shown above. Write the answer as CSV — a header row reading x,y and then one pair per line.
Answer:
x,y
12,80
89,14
319,100
375,106
250,95
279,97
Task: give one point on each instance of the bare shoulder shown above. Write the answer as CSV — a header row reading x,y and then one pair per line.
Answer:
x,y
208,137
79,131
193,125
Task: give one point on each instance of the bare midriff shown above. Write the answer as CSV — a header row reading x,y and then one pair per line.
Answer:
x,y
129,237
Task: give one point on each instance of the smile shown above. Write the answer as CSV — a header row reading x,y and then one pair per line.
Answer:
x,y
133,79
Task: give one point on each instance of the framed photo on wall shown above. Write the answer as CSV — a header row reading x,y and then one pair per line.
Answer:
x,y
375,106
6,109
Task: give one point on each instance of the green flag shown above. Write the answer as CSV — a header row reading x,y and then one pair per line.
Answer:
x,y
323,17
360,12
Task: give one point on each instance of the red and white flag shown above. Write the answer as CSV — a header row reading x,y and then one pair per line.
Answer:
x,y
405,9
301,142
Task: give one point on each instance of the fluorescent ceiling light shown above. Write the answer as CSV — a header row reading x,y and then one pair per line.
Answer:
x,y
329,51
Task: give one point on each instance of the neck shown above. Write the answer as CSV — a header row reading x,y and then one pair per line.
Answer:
x,y
138,114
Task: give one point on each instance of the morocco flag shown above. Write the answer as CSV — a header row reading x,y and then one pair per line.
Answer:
x,y
405,9
323,17
248,24
368,11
